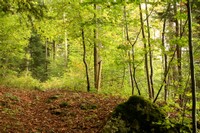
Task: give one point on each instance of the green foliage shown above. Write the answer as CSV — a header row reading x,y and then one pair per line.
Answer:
x,y
13,36
54,82
23,82
115,125
30,7
26,25
88,106
38,55
65,82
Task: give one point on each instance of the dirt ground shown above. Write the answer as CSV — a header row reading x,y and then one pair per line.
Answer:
x,y
53,111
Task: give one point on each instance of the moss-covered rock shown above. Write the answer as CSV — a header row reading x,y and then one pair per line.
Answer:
x,y
138,115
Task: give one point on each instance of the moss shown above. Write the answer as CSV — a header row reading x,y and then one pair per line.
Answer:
x,y
52,98
141,111
138,115
116,125
87,106
63,104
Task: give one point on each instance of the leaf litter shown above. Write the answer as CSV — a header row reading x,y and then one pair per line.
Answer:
x,y
54,111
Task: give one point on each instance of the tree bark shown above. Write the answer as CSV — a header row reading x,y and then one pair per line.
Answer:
x,y
46,57
129,52
149,49
99,75
96,51
66,44
178,53
131,73
164,59
54,50
84,60
193,82
146,54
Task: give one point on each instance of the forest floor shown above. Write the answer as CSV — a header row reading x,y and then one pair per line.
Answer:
x,y
53,111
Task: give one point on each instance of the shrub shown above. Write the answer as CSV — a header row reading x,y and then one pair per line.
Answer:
x,y
20,82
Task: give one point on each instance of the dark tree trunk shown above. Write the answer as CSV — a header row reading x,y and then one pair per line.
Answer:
x,y
193,84
84,60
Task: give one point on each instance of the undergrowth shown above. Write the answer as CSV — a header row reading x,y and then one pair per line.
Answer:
x,y
26,81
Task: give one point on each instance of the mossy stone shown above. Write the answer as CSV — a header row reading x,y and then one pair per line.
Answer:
x,y
138,115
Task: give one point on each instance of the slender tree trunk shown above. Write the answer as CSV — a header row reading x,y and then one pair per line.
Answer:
x,y
131,73
129,52
54,50
178,53
46,57
99,75
150,49
164,60
193,82
146,55
96,51
123,77
134,68
181,31
27,61
125,53
84,60
165,76
66,44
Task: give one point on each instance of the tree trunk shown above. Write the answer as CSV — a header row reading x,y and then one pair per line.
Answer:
x,y
66,44
131,73
178,53
129,52
46,57
193,83
54,50
149,49
99,75
96,51
164,60
146,55
84,60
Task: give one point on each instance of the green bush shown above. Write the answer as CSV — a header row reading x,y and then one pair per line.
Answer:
x,y
65,82
54,82
20,82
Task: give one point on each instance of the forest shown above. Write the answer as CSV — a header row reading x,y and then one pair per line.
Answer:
x,y
60,55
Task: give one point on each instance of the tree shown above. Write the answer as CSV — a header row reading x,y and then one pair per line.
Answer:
x,y
38,53
84,60
97,61
146,53
150,53
193,82
165,58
